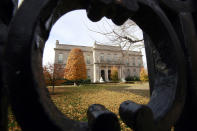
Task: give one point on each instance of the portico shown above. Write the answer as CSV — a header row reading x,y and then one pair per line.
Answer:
x,y
105,72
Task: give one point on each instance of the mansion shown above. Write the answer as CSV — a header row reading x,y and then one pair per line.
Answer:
x,y
100,58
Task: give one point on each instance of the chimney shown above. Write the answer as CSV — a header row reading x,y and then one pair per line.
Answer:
x,y
57,42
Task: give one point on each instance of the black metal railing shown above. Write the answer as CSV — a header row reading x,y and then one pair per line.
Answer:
x,y
171,48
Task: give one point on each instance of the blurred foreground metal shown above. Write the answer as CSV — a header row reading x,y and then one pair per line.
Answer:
x,y
171,46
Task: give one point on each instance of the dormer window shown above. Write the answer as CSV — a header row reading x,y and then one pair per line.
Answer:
x,y
60,58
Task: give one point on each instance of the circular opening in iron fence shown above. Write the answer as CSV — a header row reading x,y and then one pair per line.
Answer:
x,y
29,31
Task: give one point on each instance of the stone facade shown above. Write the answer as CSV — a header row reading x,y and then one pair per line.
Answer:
x,y
100,58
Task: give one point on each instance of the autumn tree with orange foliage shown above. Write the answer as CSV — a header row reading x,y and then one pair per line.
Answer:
x,y
54,74
75,67
114,73
143,74
47,75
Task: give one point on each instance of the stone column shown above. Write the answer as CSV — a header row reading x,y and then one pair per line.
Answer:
x,y
96,71
123,74
106,74
95,68
120,72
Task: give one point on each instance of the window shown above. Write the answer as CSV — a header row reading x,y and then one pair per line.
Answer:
x,y
134,72
102,58
128,72
115,57
127,61
108,58
139,62
133,61
88,59
60,58
66,59
88,73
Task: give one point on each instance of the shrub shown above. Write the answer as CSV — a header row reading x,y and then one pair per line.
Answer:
x,y
68,82
143,75
87,81
132,78
114,73
136,78
78,82
129,78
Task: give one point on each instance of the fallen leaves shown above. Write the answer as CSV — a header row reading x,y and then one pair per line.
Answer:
x,y
75,102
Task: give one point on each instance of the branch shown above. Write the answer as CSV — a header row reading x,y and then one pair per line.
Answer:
x,y
127,38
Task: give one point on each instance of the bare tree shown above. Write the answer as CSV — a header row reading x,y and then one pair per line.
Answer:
x,y
54,74
127,36
124,36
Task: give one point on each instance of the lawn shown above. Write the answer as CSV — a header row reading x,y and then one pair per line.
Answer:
x,y
74,101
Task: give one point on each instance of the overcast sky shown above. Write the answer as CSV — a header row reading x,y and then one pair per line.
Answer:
x,y
73,28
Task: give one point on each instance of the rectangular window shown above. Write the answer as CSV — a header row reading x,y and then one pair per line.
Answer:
x,y
134,72
133,61
127,61
115,57
139,61
88,60
102,58
66,59
128,71
88,73
108,58
60,58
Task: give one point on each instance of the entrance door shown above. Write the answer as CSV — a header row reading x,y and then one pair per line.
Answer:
x,y
103,74
109,75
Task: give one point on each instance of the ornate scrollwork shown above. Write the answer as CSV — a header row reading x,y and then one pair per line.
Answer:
x,y
6,13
